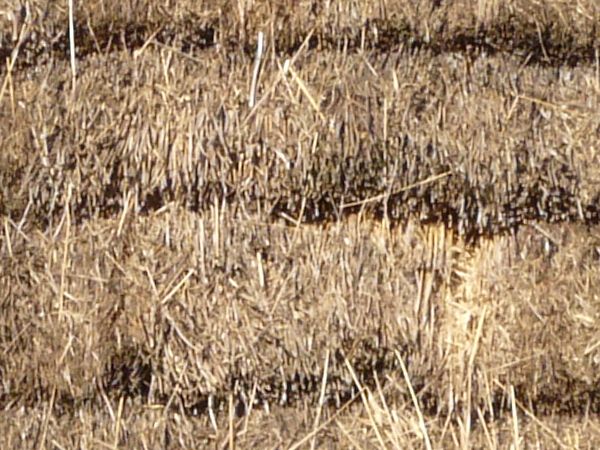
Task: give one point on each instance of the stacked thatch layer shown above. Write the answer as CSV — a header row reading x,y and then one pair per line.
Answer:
x,y
416,188
388,135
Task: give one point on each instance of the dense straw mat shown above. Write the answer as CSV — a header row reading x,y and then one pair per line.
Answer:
x,y
381,232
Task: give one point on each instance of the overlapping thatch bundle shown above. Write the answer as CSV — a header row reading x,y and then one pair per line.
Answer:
x,y
410,207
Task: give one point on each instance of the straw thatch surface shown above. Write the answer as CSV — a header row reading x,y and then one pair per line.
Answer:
x,y
397,246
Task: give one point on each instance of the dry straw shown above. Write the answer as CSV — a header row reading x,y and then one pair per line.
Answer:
x,y
366,224
72,41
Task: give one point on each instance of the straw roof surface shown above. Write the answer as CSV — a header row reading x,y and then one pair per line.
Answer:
x,y
396,245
